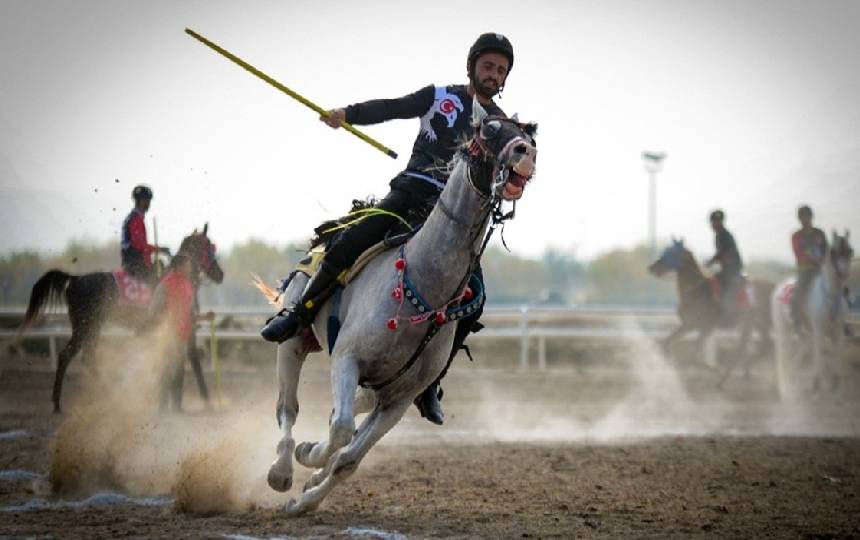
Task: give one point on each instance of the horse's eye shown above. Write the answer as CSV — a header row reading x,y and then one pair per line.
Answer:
x,y
490,129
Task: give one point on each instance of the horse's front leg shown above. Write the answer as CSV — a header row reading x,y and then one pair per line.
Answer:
x,y
344,381
343,463
291,358
666,343
818,368
706,346
837,371
740,354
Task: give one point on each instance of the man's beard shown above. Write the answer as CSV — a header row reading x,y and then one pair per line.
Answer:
x,y
484,90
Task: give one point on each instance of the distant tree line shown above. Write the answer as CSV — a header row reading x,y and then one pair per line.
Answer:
x,y
617,277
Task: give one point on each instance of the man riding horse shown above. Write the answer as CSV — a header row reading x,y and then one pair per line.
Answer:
x,y
810,248
445,113
136,251
729,258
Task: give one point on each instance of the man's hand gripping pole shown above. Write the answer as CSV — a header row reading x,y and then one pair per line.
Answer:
x,y
298,97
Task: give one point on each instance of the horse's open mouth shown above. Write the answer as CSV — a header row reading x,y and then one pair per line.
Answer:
x,y
514,186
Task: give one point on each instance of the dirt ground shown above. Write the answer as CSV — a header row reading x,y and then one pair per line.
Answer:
x,y
624,449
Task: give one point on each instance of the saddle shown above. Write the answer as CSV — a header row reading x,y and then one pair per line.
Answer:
x,y
786,293
132,291
329,231
744,298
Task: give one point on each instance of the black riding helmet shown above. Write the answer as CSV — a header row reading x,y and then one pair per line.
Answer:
x,y
717,215
490,42
141,192
804,211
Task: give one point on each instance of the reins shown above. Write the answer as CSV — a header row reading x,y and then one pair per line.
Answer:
x,y
438,317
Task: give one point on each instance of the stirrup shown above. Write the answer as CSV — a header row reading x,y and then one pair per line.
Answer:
x,y
283,326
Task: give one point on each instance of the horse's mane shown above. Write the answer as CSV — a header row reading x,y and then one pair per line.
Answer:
x,y
689,260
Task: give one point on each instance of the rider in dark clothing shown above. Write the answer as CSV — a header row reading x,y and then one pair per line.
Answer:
x,y
729,275
445,113
136,252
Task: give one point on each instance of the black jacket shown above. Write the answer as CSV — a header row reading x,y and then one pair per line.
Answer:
x,y
446,123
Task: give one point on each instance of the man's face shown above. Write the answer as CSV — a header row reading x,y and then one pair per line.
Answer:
x,y
491,70
805,220
143,204
716,225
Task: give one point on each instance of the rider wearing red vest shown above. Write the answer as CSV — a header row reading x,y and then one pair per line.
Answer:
x,y
136,252
173,305
810,246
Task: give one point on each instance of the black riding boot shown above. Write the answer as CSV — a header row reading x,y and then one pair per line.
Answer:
x,y
429,406
428,402
289,321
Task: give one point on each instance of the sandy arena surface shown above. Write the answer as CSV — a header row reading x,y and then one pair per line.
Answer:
x,y
619,449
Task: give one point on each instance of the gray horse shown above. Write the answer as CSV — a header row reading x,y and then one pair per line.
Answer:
x,y
374,365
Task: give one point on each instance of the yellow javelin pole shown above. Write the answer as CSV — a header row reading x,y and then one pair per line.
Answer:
x,y
296,96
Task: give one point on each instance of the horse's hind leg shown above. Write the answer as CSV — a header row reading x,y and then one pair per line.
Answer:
x,y
343,463
291,358
740,355
65,357
344,381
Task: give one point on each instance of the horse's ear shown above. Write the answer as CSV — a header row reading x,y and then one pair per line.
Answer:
x,y
531,129
205,228
478,112
516,118
681,240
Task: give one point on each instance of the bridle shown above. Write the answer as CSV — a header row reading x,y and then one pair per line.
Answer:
x,y
476,154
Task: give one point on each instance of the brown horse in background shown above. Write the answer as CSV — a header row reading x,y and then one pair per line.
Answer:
x,y
93,299
699,310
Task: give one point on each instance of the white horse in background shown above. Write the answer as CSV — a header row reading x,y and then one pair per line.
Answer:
x,y
825,309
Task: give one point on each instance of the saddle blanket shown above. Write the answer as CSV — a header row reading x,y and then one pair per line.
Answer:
x,y
746,295
132,291
786,293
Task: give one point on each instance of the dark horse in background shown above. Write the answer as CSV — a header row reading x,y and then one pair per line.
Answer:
x,y
699,310
93,299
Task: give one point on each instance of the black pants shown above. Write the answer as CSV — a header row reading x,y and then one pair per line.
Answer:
x,y
357,238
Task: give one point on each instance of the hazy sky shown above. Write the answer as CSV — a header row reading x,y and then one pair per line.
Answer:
x,y
756,102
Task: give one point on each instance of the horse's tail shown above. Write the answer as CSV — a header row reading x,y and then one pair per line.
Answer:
x,y
47,290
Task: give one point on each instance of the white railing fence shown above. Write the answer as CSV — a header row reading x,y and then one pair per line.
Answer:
x,y
526,324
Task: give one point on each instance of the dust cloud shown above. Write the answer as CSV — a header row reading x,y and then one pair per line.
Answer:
x,y
638,392
114,437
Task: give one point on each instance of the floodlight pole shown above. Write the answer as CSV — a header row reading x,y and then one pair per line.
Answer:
x,y
653,164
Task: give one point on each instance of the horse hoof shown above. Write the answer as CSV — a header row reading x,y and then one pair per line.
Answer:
x,y
315,480
279,480
294,508
303,452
